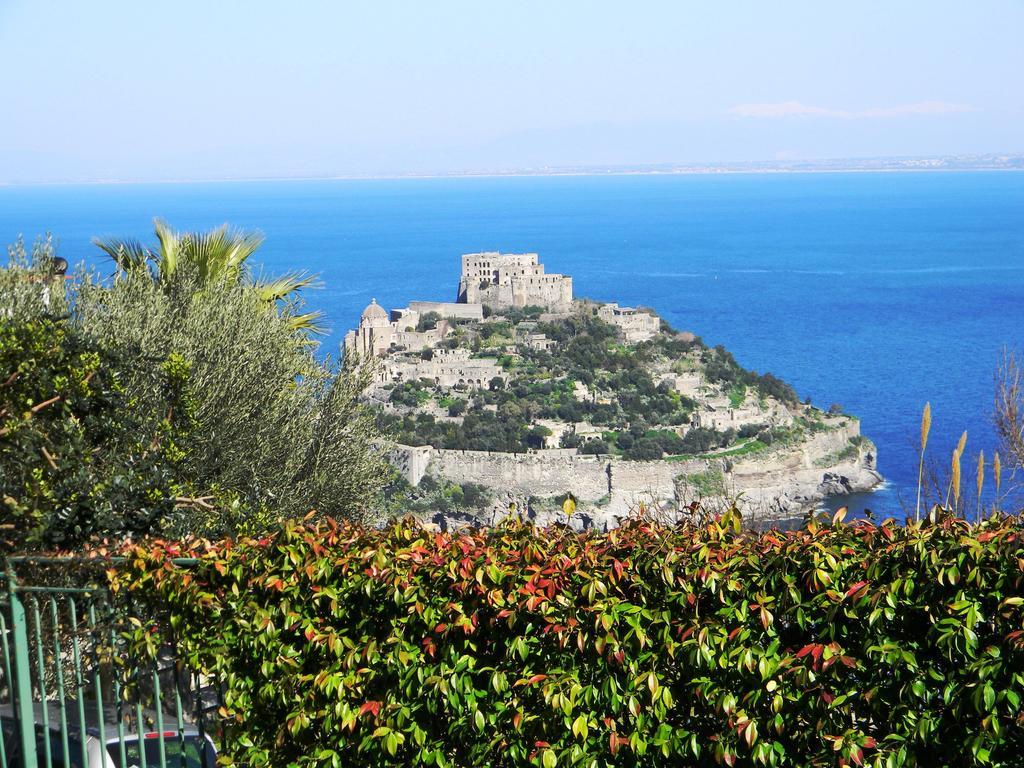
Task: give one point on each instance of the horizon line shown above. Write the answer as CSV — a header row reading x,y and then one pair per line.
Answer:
x,y
736,167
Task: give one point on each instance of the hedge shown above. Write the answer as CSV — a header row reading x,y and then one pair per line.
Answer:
x,y
866,644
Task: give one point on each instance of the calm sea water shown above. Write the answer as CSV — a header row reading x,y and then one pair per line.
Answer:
x,y
875,291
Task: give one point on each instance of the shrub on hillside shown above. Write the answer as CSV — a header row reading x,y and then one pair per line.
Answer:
x,y
594,446
644,449
869,644
702,439
428,322
721,367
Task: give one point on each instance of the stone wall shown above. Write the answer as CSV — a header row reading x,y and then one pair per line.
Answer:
x,y
449,309
779,482
547,473
553,292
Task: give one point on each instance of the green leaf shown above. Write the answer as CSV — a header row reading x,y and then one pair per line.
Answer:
x,y
580,728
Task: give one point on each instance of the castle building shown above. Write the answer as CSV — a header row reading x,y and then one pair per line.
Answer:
x,y
512,280
379,334
633,324
445,368
402,338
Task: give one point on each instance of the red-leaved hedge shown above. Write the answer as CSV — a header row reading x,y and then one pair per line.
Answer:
x,y
873,644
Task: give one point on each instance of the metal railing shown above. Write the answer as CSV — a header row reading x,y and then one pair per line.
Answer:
x,y
71,693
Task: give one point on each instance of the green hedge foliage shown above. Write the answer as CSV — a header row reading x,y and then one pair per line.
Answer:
x,y
866,644
81,455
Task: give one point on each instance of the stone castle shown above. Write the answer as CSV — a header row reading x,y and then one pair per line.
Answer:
x,y
500,281
512,280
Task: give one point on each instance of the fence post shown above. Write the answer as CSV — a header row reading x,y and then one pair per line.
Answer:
x,y
24,717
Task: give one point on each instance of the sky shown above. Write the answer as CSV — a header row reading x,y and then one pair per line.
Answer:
x,y
145,91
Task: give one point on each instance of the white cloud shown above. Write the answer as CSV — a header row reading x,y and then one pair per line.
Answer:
x,y
796,109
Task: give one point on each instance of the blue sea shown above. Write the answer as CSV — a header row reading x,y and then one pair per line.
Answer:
x,y
877,291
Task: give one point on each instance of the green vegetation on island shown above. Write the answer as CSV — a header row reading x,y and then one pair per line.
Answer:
x,y
626,394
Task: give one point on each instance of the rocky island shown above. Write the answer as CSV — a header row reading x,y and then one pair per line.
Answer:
x,y
518,396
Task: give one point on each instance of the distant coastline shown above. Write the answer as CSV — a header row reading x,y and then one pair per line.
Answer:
x,y
905,164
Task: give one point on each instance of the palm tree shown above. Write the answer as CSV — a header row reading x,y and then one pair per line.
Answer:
x,y
219,254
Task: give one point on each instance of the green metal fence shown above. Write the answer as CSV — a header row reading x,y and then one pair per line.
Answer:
x,y
70,693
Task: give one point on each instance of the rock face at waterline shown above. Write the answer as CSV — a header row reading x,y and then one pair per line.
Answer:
x,y
515,407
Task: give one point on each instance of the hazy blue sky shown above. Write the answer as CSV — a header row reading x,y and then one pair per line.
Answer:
x,y
145,90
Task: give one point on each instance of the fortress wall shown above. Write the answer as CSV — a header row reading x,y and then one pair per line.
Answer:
x,y
652,478
548,473
532,474
449,309
550,291
555,472
495,296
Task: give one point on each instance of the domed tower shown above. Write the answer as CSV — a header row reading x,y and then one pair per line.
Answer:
x,y
375,332
374,316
